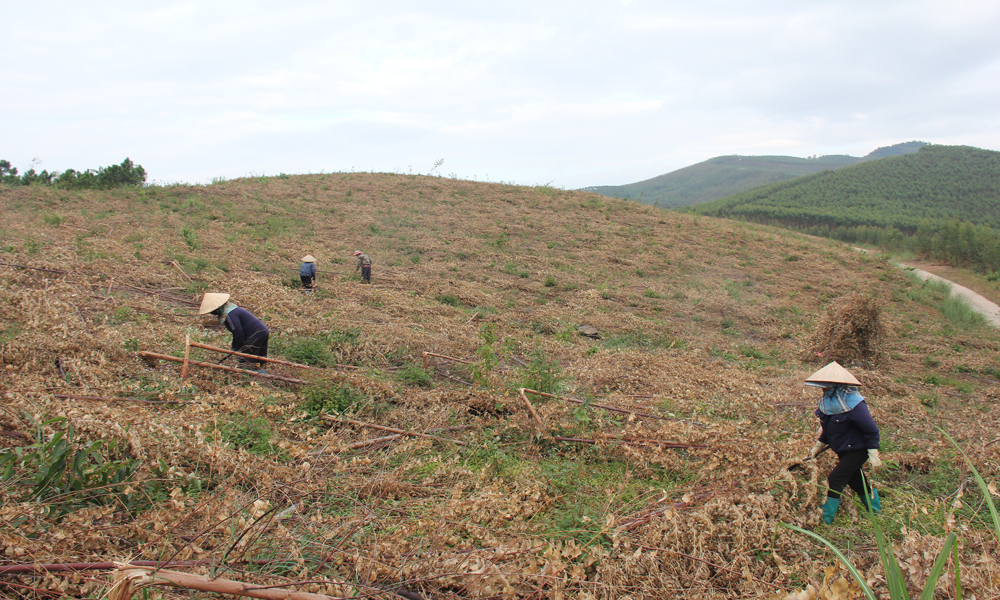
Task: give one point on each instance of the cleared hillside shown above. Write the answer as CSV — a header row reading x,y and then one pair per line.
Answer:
x,y
706,333
727,175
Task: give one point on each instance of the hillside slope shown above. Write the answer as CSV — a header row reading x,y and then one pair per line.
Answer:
x,y
706,334
727,175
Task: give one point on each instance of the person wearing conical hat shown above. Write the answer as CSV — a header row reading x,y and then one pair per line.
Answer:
x,y
365,264
250,335
847,427
308,271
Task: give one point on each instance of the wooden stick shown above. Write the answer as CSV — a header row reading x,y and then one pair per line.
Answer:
x,y
187,356
32,268
167,296
596,405
451,358
389,429
198,363
531,408
129,578
265,359
115,399
178,267
95,566
662,443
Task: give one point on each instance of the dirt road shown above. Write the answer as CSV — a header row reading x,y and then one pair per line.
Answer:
x,y
989,309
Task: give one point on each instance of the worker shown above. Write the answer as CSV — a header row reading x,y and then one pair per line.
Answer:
x,y
847,427
308,271
249,333
365,264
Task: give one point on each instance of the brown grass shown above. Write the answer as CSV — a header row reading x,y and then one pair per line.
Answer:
x,y
701,320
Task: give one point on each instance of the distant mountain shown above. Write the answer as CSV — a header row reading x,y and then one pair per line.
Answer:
x,y
938,183
726,175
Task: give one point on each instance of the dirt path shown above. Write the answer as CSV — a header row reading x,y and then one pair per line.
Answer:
x,y
989,309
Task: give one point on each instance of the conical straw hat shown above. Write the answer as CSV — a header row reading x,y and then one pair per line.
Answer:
x,y
833,373
211,302
308,258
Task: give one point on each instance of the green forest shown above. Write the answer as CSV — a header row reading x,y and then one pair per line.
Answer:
x,y
942,202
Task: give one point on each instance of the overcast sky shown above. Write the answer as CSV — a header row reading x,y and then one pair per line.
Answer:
x,y
565,93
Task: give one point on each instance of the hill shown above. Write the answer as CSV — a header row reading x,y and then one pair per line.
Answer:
x,y
660,465
726,175
926,194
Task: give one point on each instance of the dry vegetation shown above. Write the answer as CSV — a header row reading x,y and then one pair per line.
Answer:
x,y
709,325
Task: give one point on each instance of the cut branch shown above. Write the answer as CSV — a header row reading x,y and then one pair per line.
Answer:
x,y
198,363
265,359
389,429
531,408
130,578
633,442
604,406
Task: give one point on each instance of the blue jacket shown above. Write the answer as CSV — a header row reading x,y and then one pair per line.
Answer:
x,y
245,327
308,270
849,431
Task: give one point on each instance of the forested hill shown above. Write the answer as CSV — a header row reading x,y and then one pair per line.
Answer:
x,y
726,175
937,183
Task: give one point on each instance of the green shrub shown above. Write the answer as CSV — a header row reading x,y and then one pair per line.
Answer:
x,y
313,351
542,375
416,375
68,473
325,396
252,435
448,299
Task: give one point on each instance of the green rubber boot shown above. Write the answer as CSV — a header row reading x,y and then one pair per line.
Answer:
x,y
875,502
830,509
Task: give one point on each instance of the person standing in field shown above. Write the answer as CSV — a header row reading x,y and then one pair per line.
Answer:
x,y
308,271
250,335
365,264
847,427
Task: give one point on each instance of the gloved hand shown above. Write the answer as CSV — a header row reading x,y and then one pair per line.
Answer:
x,y
873,458
816,449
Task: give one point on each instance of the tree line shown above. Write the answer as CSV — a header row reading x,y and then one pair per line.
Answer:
x,y
127,174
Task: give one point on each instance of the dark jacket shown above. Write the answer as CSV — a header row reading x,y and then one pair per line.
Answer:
x,y
308,270
245,327
849,431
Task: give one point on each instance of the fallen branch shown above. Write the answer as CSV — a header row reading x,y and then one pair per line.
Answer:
x,y
115,399
198,363
33,268
264,358
531,408
604,406
451,358
94,566
152,293
389,429
661,443
129,579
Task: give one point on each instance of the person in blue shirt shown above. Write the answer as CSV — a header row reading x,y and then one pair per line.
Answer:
x,y
847,427
250,335
308,271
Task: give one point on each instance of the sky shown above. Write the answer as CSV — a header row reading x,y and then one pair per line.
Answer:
x,y
562,93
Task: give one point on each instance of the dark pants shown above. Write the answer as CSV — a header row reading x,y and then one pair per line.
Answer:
x,y
307,282
848,473
366,273
257,347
